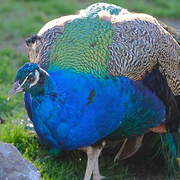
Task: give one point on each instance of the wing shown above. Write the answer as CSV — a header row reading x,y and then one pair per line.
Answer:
x,y
137,44
157,82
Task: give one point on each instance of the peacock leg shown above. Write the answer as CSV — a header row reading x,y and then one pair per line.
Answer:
x,y
90,163
97,152
120,151
129,147
92,167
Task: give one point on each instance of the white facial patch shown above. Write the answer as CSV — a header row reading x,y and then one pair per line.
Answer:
x,y
23,82
37,75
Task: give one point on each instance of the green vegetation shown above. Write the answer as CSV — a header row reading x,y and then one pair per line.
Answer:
x,y
12,110
66,166
157,8
20,19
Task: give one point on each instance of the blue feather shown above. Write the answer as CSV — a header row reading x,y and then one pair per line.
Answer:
x,y
79,109
28,104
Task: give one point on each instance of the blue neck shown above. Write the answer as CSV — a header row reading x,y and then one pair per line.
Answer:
x,y
45,88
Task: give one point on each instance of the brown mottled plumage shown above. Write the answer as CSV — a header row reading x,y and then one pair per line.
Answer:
x,y
139,43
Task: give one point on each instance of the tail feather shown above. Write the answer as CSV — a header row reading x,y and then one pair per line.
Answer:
x,y
171,151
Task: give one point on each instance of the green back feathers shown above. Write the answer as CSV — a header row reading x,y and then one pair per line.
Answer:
x,y
79,42
83,46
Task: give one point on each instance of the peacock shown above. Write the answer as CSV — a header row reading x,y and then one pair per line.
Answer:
x,y
100,75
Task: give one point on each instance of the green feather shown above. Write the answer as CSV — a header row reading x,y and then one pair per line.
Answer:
x,y
83,47
171,151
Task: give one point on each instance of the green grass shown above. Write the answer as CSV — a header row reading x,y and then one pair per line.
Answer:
x,y
20,19
71,165
157,8
66,166
12,110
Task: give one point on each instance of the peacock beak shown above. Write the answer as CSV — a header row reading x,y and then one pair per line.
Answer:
x,y
15,89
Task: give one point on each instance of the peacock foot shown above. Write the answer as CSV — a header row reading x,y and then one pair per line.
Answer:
x,y
98,177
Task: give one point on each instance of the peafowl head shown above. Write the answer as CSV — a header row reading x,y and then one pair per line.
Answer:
x,y
29,78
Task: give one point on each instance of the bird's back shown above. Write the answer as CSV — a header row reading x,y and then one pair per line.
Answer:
x,y
105,39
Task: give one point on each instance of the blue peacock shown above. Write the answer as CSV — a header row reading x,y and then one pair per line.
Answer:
x,y
100,75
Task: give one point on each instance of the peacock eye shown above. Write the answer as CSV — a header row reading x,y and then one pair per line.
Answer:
x,y
31,78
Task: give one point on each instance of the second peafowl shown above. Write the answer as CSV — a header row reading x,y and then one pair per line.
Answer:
x,y
100,75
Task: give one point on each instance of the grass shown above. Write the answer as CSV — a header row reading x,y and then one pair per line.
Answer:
x,y
66,166
12,110
71,165
157,8
20,19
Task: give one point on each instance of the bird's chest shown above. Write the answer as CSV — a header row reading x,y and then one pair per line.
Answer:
x,y
84,112
44,114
